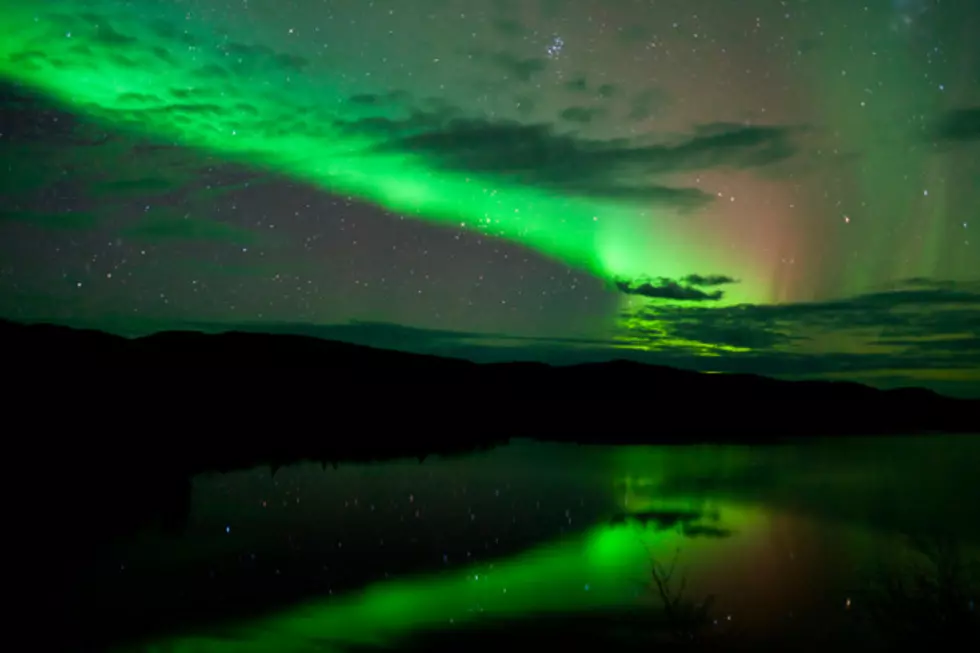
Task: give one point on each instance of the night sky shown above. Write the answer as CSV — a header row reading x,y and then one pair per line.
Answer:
x,y
784,187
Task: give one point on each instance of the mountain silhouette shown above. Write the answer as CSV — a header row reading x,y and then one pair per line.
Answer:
x,y
224,400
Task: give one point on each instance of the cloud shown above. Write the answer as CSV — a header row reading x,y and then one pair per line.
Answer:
x,y
661,520
505,8
709,280
508,27
668,289
912,313
577,84
646,103
45,220
379,99
906,332
918,334
581,115
635,34
187,228
686,289
807,46
705,531
541,155
525,105
961,125
29,118
142,186
965,343
521,69
102,172
580,84
397,336
921,332
538,155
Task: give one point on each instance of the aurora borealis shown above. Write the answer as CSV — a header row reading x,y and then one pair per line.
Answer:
x,y
786,188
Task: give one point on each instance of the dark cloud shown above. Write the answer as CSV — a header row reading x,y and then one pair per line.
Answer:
x,y
28,118
661,520
647,103
577,84
64,220
508,27
606,90
961,125
211,72
669,289
580,84
169,32
581,115
757,145
703,530
506,66
75,158
553,8
380,99
189,228
398,336
95,28
708,280
142,187
538,155
97,32
678,198
29,124
521,69
525,105
807,46
896,334
909,313
635,34
506,8
912,336
717,329
923,326
964,343
923,282
252,58
533,154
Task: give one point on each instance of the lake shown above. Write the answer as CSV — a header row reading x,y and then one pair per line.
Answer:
x,y
571,543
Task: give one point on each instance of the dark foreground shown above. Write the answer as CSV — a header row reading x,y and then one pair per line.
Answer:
x,y
225,563
180,396
106,433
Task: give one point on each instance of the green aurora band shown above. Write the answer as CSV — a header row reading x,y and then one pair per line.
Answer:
x,y
143,67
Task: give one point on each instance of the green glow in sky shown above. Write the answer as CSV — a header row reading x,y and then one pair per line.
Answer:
x,y
811,182
146,72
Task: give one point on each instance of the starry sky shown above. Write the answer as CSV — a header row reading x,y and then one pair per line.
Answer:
x,y
787,187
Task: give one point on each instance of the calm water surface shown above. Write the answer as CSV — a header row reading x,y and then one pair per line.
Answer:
x,y
313,558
